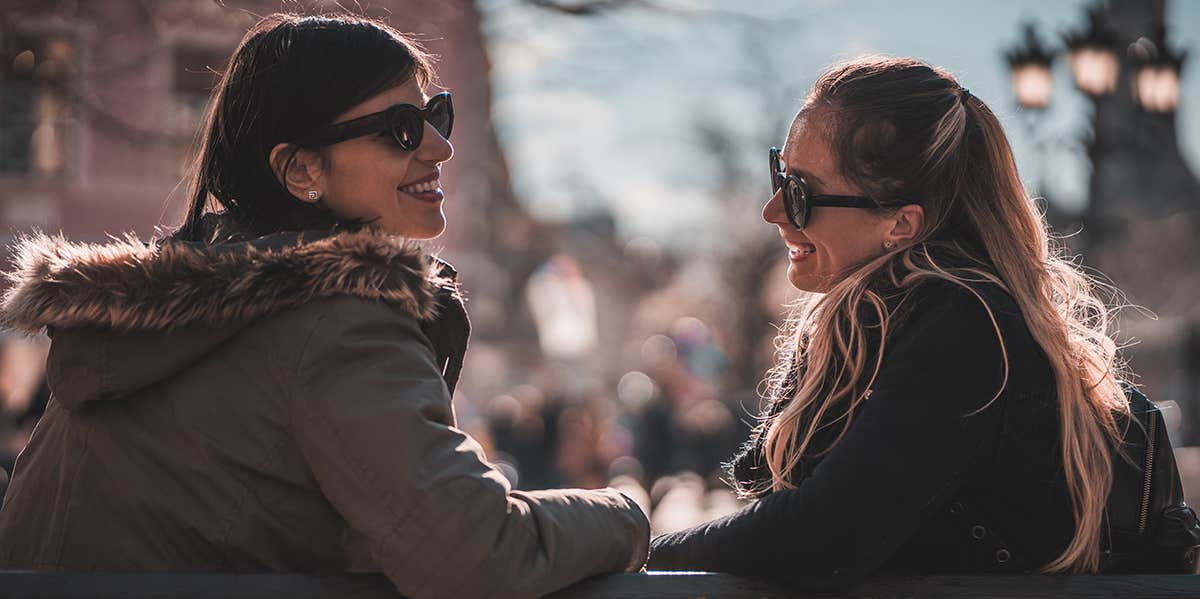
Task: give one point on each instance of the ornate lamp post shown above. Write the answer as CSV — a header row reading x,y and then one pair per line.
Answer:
x,y
1030,62
1135,90
1156,72
1092,56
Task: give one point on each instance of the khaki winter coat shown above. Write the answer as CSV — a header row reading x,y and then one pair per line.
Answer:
x,y
280,404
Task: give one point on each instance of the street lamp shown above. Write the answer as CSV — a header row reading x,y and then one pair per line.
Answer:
x,y
1030,62
1092,57
1156,72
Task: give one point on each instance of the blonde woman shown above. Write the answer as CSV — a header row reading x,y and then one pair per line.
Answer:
x,y
947,394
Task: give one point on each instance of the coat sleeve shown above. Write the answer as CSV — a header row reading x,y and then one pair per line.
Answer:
x,y
902,458
372,417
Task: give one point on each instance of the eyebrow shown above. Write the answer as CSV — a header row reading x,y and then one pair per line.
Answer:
x,y
808,177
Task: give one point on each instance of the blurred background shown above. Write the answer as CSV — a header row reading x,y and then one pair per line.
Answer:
x,y
604,199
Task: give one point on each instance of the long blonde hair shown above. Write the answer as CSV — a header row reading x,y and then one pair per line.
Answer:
x,y
903,129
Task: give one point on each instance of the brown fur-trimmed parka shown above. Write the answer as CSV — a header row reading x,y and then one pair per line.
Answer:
x,y
275,404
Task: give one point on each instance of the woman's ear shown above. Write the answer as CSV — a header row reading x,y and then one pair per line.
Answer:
x,y
299,170
907,223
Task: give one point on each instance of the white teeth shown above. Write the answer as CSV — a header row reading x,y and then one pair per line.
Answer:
x,y
420,187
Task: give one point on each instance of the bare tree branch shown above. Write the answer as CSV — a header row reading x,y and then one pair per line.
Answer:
x,y
590,8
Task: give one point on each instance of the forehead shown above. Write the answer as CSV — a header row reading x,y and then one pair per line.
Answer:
x,y
408,92
806,149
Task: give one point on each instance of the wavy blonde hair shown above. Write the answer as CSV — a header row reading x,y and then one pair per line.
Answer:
x,y
903,129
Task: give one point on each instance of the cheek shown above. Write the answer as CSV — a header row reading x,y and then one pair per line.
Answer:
x,y
844,241
368,167
848,249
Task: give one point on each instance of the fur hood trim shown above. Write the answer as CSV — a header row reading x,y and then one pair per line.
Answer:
x,y
127,285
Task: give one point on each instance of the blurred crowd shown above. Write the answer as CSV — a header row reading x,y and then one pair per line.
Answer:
x,y
659,433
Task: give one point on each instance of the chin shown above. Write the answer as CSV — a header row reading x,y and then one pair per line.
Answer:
x,y
801,281
806,286
428,230
808,283
425,229
431,234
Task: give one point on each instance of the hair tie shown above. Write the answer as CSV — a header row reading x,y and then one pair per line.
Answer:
x,y
964,94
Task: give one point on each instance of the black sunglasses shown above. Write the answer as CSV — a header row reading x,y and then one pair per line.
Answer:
x,y
404,122
798,199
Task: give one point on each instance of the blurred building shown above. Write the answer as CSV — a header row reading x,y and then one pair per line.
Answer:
x,y
100,103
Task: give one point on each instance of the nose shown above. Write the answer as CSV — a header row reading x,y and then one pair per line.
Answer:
x,y
434,148
773,211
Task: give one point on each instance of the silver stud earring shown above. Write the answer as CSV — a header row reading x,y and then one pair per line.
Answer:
x,y
313,195
887,245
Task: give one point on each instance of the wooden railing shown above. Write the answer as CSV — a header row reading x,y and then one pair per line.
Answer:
x,y
657,585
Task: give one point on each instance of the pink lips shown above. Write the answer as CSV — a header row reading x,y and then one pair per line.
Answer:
x,y
434,196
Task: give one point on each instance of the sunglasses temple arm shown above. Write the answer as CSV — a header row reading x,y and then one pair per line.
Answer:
x,y
841,201
348,130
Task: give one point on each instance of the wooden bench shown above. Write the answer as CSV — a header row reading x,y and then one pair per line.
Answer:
x,y
657,585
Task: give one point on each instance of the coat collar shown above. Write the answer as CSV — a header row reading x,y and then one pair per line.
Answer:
x,y
127,285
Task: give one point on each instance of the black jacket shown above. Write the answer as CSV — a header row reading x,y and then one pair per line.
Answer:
x,y
917,484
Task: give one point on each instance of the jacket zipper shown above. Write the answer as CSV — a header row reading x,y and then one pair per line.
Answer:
x,y
1148,475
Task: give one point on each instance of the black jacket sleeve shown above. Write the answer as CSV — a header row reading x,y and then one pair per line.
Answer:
x,y
902,458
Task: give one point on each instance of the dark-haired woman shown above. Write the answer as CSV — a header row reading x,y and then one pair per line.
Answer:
x,y
947,396
269,388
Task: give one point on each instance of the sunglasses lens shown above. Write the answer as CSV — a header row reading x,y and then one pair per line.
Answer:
x,y
440,114
775,171
796,200
407,128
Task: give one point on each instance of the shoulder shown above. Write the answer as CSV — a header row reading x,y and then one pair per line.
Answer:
x,y
978,327
342,351
336,323
947,305
938,323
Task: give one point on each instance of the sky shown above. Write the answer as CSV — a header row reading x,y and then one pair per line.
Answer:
x,y
607,112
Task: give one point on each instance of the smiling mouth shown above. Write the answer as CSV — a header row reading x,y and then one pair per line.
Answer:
x,y
418,188
802,249
428,191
